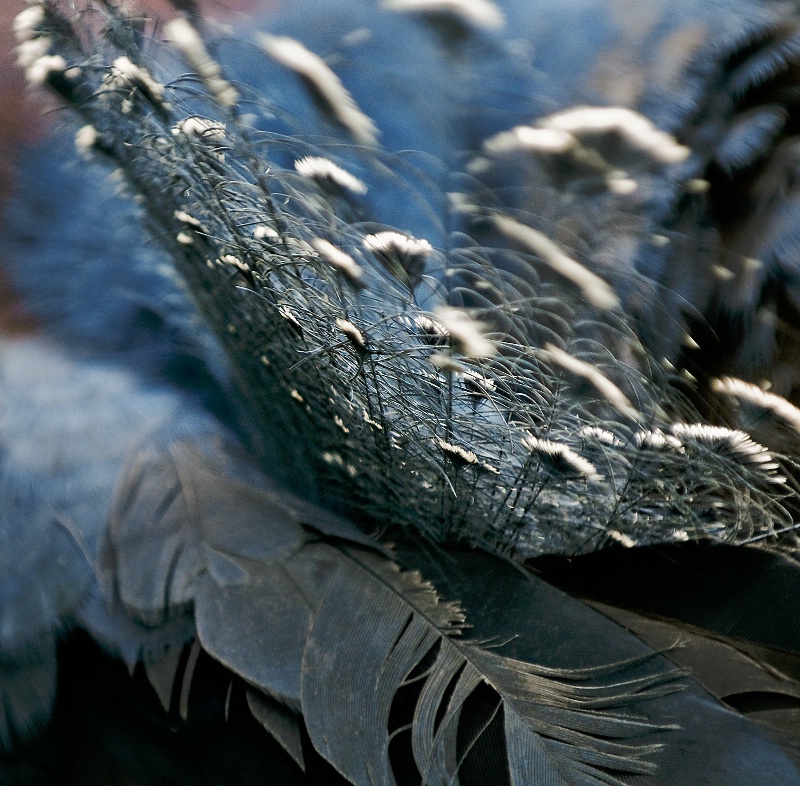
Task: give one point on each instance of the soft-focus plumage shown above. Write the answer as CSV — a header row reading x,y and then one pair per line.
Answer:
x,y
397,410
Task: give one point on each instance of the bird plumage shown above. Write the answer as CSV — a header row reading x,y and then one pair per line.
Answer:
x,y
383,331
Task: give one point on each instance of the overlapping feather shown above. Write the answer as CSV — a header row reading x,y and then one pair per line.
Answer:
x,y
508,424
